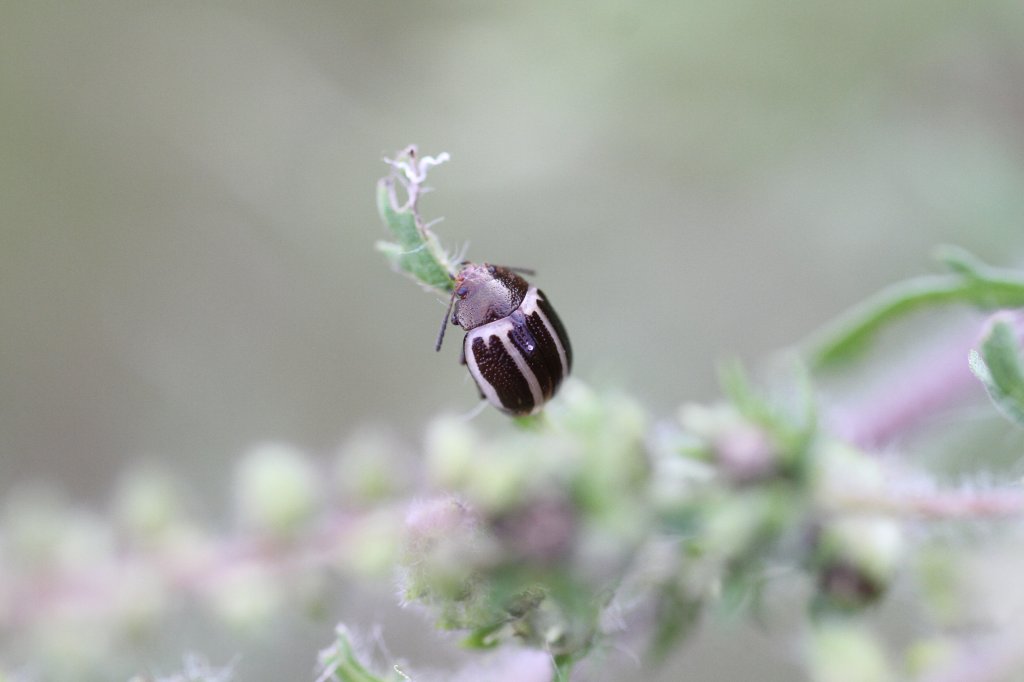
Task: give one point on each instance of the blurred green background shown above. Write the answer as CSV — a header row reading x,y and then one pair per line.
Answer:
x,y
187,211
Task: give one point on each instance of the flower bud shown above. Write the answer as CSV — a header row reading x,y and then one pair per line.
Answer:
x,y
445,548
147,504
371,543
452,451
931,656
743,452
857,558
843,473
372,466
846,652
246,597
276,489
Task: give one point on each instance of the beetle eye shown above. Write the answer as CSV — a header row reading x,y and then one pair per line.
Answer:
x,y
461,292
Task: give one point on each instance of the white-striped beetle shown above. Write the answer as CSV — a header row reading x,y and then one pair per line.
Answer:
x,y
516,348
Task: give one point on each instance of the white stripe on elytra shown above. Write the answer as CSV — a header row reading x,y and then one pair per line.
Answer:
x,y
485,386
524,369
529,307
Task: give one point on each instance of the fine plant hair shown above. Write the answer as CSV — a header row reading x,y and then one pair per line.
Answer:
x,y
591,529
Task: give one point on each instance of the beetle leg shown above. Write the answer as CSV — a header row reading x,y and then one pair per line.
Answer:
x,y
475,411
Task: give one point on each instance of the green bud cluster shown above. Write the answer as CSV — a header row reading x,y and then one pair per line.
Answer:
x,y
528,536
78,587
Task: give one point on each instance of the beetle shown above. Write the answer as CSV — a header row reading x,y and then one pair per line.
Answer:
x,y
516,348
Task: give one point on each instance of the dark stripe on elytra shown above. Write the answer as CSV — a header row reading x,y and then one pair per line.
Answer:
x,y
544,361
549,312
519,333
530,348
499,370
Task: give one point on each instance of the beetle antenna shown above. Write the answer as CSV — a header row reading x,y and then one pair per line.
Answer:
x,y
529,272
444,322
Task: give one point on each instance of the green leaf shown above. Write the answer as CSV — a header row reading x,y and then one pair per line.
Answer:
x,y
564,664
339,663
971,282
417,252
998,366
676,615
483,638
789,415
962,261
